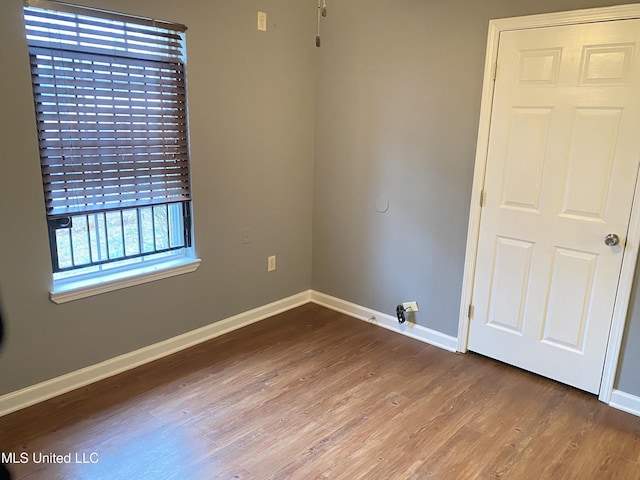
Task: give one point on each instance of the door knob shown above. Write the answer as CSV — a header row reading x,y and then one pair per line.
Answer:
x,y
611,240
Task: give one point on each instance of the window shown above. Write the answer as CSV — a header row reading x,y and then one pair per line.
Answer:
x,y
110,102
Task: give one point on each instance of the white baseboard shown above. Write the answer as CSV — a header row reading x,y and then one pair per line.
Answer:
x,y
625,402
40,392
389,322
56,386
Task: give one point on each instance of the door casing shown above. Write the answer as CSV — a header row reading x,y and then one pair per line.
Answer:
x,y
625,282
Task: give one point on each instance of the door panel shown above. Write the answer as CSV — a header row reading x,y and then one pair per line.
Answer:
x,y
525,157
569,298
561,167
509,281
593,147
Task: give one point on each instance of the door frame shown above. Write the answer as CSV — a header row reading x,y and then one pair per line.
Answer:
x,y
625,282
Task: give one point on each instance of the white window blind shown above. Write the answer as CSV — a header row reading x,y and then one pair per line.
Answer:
x,y
110,101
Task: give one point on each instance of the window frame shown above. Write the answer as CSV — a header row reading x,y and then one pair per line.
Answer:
x,y
179,259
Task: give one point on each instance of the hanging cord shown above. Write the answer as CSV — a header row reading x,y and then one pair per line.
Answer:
x,y
322,12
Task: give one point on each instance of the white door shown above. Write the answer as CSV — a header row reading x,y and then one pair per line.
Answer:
x,y
561,169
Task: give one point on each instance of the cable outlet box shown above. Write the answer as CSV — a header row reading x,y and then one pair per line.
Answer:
x,y
410,306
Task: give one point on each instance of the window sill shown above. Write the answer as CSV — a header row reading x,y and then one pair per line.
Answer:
x,y
69,290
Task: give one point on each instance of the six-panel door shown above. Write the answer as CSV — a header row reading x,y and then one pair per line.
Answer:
x,y
561,170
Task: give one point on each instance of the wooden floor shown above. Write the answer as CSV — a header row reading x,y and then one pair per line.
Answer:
x,y
313,394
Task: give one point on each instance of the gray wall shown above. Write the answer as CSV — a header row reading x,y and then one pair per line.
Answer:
x,y
397,107
628,373
396,87
251,100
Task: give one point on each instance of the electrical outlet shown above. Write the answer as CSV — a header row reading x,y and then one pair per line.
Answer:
x,y
271,263
410,306
262,21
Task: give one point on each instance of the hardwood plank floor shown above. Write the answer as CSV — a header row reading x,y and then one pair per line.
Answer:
x,y
313,394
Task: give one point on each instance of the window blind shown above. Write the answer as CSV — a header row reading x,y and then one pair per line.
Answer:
x,y
110,102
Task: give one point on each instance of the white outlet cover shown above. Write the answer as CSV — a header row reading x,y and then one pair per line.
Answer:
x,y
410,306
262,21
